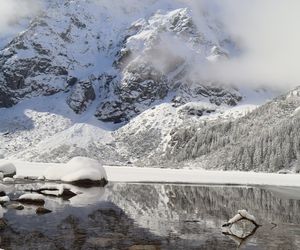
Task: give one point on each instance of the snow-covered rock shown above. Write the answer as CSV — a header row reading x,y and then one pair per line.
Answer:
x,y
4,199
8,180
245,214
59,190
79,170
7,168
20,177
31,197
242,214
42,210
235,218
34,199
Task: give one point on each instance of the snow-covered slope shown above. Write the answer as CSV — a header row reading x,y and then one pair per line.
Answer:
x,y
114,81
266,139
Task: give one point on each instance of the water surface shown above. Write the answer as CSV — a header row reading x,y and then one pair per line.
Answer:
x,y
156,216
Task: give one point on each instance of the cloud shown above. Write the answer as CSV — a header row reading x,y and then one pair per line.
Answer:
x,y
267,32
12,11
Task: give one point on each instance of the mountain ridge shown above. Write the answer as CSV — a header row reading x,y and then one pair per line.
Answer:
x,y
125,88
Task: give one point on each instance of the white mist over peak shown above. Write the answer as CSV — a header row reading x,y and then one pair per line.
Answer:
x,y
269,41
12,11
264,31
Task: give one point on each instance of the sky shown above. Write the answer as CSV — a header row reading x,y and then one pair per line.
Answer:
x,y
267,31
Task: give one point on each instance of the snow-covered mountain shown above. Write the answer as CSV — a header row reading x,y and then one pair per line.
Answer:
x,y
267,139
119,82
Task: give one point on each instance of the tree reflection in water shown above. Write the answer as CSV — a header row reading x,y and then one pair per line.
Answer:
x,y
156,216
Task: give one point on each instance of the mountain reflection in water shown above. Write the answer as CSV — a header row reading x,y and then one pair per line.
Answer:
x,y
156,216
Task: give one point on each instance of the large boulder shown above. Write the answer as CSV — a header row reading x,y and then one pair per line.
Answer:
x,y
80,171
8,169
32,199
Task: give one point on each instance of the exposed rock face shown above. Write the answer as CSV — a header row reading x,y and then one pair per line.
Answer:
x,y
52,54
140,87
152,69
29,68
81,96
143,63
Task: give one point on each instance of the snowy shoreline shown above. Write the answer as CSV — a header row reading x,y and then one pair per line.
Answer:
x,y
195,176
172,176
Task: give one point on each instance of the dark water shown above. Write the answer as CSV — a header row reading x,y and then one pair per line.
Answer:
x,y
156,216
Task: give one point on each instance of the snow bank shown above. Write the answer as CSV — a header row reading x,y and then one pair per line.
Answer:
x,y
198,176
32,199
77,169
7,168
158,175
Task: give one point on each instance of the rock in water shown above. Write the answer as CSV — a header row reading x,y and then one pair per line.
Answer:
x,y
17,206
42,210
2,224
32,199
241,215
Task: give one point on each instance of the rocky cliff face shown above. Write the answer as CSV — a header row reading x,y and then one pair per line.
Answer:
x,y
134,66
152,68
60,47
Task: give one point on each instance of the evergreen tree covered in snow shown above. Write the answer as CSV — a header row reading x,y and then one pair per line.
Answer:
x,y
267,139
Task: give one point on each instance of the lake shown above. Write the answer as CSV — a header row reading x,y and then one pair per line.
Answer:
x,y
155,216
